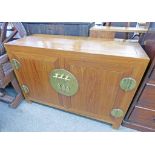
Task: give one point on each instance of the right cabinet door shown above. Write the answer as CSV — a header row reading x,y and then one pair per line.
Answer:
x,y
99,88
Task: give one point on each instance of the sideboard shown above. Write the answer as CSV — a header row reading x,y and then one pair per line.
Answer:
x,y
87,76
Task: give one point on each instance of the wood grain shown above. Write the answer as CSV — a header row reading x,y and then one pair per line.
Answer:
x,y
102,34
119,29
82,45
147,98
142,109
108,32
143,116
98,66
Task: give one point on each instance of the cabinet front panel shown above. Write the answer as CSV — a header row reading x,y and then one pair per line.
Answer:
x,y
34,72
99,87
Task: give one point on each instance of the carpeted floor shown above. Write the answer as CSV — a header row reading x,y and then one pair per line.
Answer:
x,y
35,117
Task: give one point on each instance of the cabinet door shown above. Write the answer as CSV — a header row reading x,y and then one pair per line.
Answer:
x,y
99,88
34,72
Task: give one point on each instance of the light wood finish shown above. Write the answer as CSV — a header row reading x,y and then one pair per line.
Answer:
x,y
119,29
81,46
102,34
108,32
98,66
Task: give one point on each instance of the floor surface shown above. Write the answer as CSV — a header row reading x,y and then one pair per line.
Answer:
x,y
39,118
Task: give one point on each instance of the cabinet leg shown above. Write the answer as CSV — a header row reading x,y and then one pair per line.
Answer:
x,y
18,99
28,101
116,126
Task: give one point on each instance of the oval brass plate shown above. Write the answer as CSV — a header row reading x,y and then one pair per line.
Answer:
x,y
117,113
64,82
128,84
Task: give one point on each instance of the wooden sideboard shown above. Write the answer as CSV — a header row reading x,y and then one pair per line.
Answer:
x,y
82,75
141,115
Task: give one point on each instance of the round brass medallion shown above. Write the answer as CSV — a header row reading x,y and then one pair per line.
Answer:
x,y
117,113
64,82
128,84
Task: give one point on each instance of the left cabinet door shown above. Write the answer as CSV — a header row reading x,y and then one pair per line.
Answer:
x,y
33,72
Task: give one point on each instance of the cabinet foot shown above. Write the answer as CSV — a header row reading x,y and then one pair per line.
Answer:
x,y
28,101
115,126
18,99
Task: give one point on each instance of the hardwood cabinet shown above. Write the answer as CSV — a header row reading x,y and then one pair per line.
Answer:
x,y
102,72
141,115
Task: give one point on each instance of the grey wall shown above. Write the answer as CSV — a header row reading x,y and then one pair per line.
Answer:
x,y
59,28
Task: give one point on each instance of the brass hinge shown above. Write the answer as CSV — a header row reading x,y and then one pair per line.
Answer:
x,y
25,89
15,64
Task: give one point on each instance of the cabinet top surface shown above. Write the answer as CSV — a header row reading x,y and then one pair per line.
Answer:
x,y
83,45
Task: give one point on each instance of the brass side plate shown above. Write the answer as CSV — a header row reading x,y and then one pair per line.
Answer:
x,y
25,89
64,82
128,84
117,113
15,64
